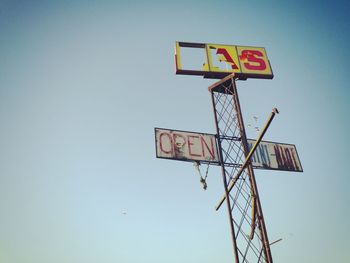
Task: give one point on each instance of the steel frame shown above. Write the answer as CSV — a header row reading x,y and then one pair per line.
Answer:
x,y
246,220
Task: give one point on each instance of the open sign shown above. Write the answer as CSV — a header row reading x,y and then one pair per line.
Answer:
x,y
186,146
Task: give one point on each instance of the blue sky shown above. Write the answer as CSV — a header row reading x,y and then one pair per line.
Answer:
x,y
84,83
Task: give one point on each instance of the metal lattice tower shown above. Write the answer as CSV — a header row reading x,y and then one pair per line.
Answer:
x,y
249,235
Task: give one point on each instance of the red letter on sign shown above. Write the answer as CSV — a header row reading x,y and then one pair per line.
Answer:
x,y
161,142
190,143
252,56
222,51
210,149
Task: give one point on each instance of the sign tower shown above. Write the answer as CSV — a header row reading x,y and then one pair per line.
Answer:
x,y
229,147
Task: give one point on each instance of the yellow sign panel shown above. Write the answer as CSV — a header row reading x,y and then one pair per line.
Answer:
x,y
220,60
223,58
254,60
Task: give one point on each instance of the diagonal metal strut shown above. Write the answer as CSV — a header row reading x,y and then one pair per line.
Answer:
x,y
250,154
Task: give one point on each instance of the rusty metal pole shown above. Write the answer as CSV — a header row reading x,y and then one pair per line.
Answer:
x,y
260,217
235,251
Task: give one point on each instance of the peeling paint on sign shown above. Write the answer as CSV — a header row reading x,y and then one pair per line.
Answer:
x,y
186,146
276,156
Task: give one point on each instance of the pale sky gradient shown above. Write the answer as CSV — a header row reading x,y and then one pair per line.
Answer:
x,y
84,83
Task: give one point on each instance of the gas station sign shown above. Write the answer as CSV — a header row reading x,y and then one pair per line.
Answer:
x,y
221,60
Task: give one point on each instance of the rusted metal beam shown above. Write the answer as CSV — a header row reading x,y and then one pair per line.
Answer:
x,y
274,242
253,186
247,160
222,164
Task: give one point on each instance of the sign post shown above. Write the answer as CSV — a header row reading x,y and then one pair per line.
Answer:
x,y
229,147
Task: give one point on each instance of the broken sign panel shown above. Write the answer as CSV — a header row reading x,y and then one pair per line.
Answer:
x,y
276,156
186,146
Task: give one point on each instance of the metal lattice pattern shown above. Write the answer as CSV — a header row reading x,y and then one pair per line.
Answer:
x,y
241,197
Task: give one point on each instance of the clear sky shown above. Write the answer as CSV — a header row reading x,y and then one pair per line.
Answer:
x,y
84,83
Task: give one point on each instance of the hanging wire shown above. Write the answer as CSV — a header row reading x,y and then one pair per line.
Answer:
x,y
202,180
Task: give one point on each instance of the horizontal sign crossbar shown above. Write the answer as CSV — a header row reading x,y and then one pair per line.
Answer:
x,y
202,147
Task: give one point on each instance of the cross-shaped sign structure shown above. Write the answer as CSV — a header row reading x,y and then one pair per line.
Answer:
x,y
229,147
